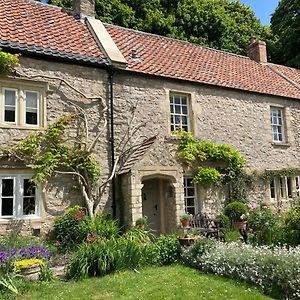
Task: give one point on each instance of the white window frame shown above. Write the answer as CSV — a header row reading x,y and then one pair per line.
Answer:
x,y
3,105
277,127
281,188
38,108
185,187
20,89
18,194
179,126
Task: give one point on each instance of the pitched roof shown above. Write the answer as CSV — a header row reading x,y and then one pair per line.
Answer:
x,y
33,27
162,56
135,155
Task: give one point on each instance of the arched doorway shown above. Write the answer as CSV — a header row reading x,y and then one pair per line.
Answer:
x,y
158,203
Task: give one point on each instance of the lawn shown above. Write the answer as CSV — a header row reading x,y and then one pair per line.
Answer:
x,y
174,282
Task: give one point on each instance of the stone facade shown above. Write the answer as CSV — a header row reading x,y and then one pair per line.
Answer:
x,y
59,99
221,115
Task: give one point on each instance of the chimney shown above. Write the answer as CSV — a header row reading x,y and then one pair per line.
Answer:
x,y
257,50
83,8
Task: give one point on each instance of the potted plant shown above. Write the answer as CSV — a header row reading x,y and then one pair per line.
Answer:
x,y
141,222
185,220
234,211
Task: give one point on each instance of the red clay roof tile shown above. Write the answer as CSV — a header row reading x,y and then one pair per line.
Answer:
x,y
35,27
157,55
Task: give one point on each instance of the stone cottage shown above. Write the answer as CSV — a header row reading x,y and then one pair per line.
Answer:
x,y
151,86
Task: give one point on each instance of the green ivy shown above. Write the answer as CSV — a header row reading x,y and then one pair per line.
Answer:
x,y
286,172
8,62
206,176
228,161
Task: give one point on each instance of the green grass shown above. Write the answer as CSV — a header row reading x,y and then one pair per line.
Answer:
x,y
175,282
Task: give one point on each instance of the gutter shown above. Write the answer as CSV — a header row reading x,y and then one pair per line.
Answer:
x,y
111,72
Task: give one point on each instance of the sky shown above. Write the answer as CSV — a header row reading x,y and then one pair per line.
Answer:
x,y
262,8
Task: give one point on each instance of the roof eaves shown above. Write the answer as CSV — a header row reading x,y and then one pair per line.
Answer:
x,y
52,53
211,84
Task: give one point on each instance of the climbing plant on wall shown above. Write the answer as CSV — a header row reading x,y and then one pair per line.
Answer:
x,y
212,163
8,62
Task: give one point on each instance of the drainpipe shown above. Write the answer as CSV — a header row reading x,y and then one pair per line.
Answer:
x,y
112,137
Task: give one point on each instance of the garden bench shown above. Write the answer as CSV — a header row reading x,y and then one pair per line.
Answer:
x,y
206,226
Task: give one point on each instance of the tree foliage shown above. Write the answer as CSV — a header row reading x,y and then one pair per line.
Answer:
x,y
221,24
285,23
8,62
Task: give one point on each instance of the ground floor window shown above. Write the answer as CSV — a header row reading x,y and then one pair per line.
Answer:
x,y
19,199
287,187
189,195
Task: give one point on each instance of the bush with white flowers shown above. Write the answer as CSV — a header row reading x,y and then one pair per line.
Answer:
x,y
276,270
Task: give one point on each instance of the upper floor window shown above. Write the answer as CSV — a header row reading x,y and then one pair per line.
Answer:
x,y
277,123
180,116
189,196
21,106
18,197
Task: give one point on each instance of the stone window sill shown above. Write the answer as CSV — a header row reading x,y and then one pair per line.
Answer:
x,y
281,145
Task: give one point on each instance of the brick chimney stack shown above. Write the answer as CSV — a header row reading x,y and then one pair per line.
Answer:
x,y
257,50
84,8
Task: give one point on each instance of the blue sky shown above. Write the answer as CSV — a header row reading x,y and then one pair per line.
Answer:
x,y
262,8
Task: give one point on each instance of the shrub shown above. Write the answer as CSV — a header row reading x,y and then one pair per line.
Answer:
x,y
222,221
8,62
167,249
275,270
74,227
68,229
234,210
267,226
292,226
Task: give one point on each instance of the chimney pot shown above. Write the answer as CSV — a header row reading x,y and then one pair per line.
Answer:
x,y
257,51
83,8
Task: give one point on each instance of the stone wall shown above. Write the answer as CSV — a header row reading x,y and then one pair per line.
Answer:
x,y
60,99
222,115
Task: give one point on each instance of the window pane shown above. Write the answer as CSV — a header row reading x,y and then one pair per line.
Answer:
x,y
7,206
290,187
28,188
272,188
177,100
10,106
31,100
190,210
7,187
184,110
10,114
10,97
177,109
31,118
190,191
183,100
28,206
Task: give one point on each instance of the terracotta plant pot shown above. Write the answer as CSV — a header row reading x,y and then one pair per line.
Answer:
x,y
184,223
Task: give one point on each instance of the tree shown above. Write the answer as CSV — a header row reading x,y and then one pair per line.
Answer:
x,y
221,24
285,23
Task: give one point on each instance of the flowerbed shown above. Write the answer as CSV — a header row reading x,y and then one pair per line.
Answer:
x,y
276,271
13,254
